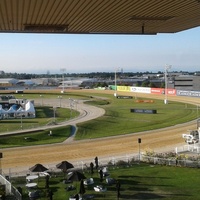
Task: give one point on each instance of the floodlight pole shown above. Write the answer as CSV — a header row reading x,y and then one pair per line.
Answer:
x,y
71,105
115,94
1,156
63,79
75,102
139,142
167,67
41,99
54,114
21,122
60,97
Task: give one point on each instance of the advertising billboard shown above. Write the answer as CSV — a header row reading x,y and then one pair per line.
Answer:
x,y
188,93
162,91
141,89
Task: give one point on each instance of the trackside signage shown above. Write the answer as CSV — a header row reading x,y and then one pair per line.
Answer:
x,y
141,89
162,91
188,93
171,91
124,97
144,111
157,90
123,88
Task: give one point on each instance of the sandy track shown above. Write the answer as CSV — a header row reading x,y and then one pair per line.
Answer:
x,y
157,140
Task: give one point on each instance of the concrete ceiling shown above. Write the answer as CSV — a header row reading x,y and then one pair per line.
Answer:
x,y
99,16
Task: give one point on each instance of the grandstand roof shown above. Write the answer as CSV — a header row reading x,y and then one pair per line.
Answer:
x,y
99,16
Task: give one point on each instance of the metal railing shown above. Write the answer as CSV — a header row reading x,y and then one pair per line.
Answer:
x,y
171,161
10,189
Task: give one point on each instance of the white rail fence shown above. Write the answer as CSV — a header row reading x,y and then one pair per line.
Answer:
x,y
111,161
188,148
78,164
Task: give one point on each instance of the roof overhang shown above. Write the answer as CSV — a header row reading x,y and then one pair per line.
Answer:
x,y
98,16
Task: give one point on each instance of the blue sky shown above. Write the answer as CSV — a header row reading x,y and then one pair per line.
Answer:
x,y
39,53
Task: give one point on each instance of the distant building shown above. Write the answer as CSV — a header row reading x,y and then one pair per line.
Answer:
x,y
175,80
7,82
185,82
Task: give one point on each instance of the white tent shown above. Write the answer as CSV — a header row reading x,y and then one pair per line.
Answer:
x,y
29,109
28,112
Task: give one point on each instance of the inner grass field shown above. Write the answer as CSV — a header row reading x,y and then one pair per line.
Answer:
x,y
138,181
117,120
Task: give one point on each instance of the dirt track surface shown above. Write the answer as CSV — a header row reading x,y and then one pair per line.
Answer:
x,y
158,140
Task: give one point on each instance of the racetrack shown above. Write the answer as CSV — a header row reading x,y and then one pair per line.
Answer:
x,y
158,140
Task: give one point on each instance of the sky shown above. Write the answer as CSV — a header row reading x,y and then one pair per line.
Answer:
x,y
51,53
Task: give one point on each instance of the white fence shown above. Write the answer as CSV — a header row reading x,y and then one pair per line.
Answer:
x,y
171,161
188,148
78,164
9,189
113,160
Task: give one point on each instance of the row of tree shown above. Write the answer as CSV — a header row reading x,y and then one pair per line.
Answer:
x,y
103,75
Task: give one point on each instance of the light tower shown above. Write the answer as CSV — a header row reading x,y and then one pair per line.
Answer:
x,y
115,94
63,79
167,67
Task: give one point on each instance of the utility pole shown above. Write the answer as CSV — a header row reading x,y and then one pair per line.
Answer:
x,y
115,94
63,79
139,142
60,97
54,114
167,67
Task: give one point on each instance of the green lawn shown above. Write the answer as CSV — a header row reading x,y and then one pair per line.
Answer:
x,y
119,120
36,138
138,181
44,116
